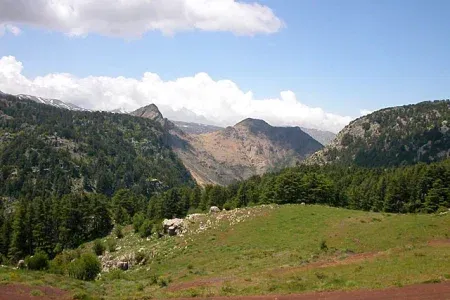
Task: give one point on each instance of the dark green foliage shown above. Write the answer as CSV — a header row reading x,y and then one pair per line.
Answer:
x,y
51,224
138,220
146,228
98,247
323,246
86,267
39,261
407,189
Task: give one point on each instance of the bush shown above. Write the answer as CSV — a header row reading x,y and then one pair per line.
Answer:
x,y
86,267
138,220
118,231
146,229
323,246
112,245
3,259
140,257
229,205
98,247
39,261
158,228
163,281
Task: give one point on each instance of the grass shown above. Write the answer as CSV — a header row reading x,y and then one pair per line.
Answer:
x,y
283,249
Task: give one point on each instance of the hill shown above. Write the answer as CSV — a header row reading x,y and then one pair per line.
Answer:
x,y
249,148
47,150
259,147
267,250
394,136
323,137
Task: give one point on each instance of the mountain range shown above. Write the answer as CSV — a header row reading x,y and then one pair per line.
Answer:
x,y
215,155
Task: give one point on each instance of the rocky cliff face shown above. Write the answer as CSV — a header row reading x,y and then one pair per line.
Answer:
x,y
393,136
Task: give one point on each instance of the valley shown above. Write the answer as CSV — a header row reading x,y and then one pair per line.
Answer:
x,y
288,215
269,250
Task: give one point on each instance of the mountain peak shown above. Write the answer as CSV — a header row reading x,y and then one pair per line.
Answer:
x,y
253,124
150,111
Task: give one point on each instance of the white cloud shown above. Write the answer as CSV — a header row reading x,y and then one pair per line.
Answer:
x,y
364,112
9,28
131,18
221,101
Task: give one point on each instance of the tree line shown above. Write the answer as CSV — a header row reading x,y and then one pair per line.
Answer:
x,y
51,224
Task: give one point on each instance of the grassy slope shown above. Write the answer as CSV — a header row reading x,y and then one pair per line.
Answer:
x,y
277,250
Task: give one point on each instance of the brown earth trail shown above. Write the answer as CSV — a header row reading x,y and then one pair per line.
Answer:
x,y
438,291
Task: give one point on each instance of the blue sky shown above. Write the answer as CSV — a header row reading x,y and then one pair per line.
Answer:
x,y
341,56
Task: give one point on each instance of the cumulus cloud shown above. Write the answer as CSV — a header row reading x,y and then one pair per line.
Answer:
x,y
221,101
130,18
9,28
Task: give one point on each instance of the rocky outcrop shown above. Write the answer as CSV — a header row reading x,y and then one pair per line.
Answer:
x,y
173,226
214,209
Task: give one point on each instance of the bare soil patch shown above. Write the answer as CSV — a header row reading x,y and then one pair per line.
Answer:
x,y
438,291
26,292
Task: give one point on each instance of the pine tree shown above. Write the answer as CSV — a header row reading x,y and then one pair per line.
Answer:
x,y
18,248
438,196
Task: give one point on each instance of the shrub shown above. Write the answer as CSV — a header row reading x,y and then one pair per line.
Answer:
x,y
323,246
140,257
39,261
98,247
163,281
112,245
158,228
86,267
229,205
138,220
118,231
3,259
146,229
115,274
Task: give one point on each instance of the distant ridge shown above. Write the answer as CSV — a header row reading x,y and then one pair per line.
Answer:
x,y
393,136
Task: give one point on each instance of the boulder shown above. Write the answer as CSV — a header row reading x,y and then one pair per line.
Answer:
x,y
21,264
122,265
214,209
173,226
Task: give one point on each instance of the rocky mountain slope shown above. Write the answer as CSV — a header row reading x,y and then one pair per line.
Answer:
x,y
393,136
196,128
322,136
235,153
52,102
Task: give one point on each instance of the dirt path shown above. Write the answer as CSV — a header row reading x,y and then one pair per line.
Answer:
x,y
438,291
27,292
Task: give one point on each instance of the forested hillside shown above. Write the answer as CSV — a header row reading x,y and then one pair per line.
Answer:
x,y
420,188
393,136
46,150
59,167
